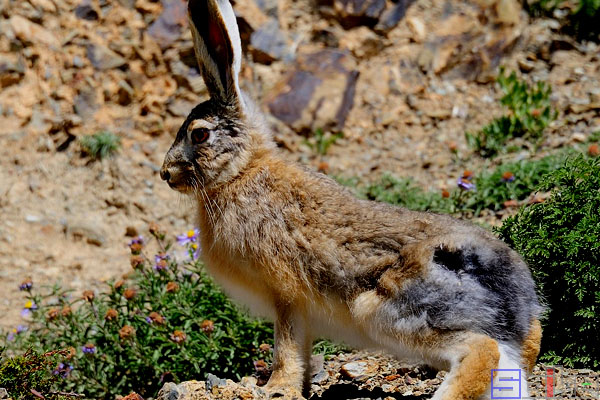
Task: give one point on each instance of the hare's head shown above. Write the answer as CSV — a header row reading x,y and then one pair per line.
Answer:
x,y
213,144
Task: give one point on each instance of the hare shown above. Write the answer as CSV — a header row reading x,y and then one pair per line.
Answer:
x,y
295,246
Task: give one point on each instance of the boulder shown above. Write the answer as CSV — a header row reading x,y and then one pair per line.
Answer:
x,y
169,25
318,93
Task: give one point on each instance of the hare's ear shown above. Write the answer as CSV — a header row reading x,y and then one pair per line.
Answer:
x,y
218,48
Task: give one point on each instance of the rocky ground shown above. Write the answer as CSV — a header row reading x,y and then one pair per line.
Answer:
x,y
367,376
403,80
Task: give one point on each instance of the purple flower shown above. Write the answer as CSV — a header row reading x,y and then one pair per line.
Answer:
x,y
137,240
191,239
64,370
15,331
149,320
465,184
88,349
190,236
161,262
26,285
30,305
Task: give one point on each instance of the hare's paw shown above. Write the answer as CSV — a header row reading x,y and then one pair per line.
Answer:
x,y
277,390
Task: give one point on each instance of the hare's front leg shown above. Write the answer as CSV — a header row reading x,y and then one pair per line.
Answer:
x,y
291,353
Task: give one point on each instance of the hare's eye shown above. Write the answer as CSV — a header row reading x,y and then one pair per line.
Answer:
x,y
199,135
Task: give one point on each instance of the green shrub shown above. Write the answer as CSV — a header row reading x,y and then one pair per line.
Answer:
x,y
560,239
167,322
530,114
31,374
581,18
100,145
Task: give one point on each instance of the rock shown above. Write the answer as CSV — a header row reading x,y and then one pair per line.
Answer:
x,y
180,107
508,12
131,231
579,137
269,7
167,28
463,46
262,33
85,104
45,5
194,390
12,69
525,65
268,43
318,93
392,16
417,28
250,18
86,11
103,58
214,381
408,79
359,370
362,42
33,218
88,229
352,13
30,32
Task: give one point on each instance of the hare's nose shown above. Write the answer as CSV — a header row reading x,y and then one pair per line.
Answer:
x,y
165,175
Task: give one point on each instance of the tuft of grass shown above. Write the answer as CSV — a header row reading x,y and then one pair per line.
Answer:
x,y
404,193
510,181
320,142
100,145
530,114
493,189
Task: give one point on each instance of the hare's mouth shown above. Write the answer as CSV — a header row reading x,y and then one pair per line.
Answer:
x,y
181,186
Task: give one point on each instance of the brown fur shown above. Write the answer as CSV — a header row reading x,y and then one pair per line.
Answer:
x,y
531,345
473,374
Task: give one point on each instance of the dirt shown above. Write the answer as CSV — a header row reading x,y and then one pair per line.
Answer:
x,y
361,375
71,68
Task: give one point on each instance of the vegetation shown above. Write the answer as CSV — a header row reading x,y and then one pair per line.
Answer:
x,y
510,181
321,141
169,322
32,374
581,15
403,192
560,239
516,181
530,114
100,145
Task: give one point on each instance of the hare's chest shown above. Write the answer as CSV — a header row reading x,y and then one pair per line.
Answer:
x,y
239,283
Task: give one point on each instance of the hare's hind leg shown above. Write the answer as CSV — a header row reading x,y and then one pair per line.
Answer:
x,y
471,358
531,346
475,359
